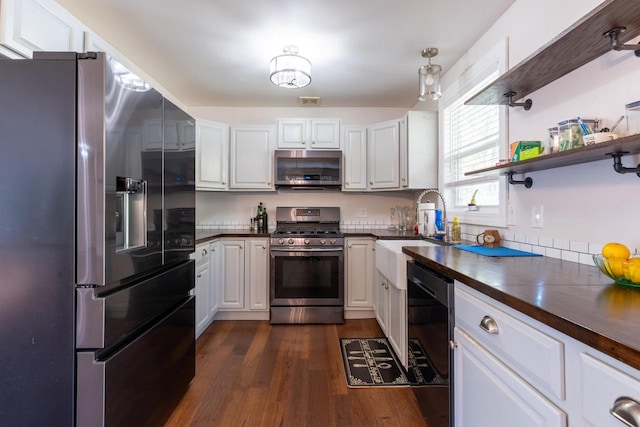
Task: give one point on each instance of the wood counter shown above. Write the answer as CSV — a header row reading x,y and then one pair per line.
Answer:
x,y
575,299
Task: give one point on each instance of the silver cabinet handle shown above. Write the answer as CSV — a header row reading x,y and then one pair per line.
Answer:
x,y
489,325
453,345
204,252
264,247
626,410
313,142
371,182
199,276
350,246
224,182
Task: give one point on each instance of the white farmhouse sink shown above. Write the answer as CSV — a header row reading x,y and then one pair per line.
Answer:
x,y
392,263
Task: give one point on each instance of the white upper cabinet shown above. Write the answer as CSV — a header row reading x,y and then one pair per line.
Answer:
x,y
354,158
419,150
38,25
297,134
251,160
383,153
212,155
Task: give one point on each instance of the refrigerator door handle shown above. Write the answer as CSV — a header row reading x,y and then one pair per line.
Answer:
x,y
90,315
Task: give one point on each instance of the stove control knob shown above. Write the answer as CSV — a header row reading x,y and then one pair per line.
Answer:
x,y
323,242
332,241
290,241
306,241
280,241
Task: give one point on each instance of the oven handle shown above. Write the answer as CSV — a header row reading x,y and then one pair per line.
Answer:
x,y
306,249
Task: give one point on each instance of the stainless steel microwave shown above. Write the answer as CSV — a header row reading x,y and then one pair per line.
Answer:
x,y
308,169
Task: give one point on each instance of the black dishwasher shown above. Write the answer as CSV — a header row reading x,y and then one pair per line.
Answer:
x,y
430,328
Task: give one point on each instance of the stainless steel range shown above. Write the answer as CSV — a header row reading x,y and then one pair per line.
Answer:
x,y
307,266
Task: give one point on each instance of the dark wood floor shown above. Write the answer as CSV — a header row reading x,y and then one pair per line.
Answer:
x,y
251,373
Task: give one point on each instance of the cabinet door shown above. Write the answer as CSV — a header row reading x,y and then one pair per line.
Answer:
x,y
212,159
359,270
251,158
383,153
381,301
355,158
258,274
202,291
419,150
489,394
230,271
30,25
292,134
397,323
325,134
602,386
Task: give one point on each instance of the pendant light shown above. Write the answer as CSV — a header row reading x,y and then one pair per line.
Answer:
x,y
290,70
429,77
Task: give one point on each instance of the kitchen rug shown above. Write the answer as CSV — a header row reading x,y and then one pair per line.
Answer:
x,y
370,362
499,251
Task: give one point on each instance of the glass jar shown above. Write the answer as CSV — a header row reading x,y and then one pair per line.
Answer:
x,y
633,117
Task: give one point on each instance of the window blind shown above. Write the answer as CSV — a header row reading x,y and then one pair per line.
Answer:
x,y
471,136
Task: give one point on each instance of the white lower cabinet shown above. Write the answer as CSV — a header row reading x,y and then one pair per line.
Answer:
x,y
241,278
381,301
206,296
397,323
390,308
511,370
610,392
359,273
489,394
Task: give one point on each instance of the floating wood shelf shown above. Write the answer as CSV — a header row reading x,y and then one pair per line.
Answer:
x,y
579,44
589,153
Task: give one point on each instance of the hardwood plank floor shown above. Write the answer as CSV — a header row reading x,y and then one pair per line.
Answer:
x,y
251,373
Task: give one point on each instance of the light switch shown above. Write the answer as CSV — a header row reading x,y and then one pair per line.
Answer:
x,y
536,216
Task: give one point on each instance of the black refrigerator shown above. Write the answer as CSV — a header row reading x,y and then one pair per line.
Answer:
x,y
97,221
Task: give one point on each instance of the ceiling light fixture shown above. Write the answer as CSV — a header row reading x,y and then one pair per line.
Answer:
x,y
290,70
429,77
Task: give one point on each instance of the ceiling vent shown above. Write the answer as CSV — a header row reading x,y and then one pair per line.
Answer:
x,y
309,101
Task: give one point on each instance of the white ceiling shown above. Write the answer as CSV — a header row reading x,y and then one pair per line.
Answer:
x,y
364,53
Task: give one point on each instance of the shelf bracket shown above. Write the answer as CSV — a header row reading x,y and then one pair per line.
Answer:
x,y
526,104
615,43
617,163
528,182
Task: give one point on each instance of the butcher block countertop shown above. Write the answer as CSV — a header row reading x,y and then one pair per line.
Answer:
x,y
572,298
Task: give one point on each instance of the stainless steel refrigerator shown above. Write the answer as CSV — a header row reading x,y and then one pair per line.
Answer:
x,y
97,221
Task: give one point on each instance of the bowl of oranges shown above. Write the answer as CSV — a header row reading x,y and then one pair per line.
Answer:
x,y
616,262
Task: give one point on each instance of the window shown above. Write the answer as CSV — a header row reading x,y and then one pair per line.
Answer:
x,y
474,137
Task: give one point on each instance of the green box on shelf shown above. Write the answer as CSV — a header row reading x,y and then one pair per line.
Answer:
x,y
523,150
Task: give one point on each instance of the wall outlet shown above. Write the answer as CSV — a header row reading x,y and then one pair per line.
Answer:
x,y
361,212
536,216
511,215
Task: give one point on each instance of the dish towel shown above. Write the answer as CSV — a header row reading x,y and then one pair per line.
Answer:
x,y
499,251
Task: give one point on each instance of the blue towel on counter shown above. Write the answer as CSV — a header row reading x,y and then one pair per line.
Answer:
x,y
499,251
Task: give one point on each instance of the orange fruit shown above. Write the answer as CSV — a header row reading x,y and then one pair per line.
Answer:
x,y
615,250
632,264
615,266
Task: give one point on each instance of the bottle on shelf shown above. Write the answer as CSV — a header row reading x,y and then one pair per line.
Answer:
x,y
260,218
265,220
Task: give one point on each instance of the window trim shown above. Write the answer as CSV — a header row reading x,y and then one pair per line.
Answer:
x,y
495,58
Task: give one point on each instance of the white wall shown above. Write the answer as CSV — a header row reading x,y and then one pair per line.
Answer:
x,y
584,203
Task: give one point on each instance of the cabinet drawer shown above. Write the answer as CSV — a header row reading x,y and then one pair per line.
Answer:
x,y
602,385
533,355
201,253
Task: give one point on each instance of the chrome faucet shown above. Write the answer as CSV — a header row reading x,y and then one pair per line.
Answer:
x,y
443,233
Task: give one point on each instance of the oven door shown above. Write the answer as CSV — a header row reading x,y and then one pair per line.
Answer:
x,y
307,277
